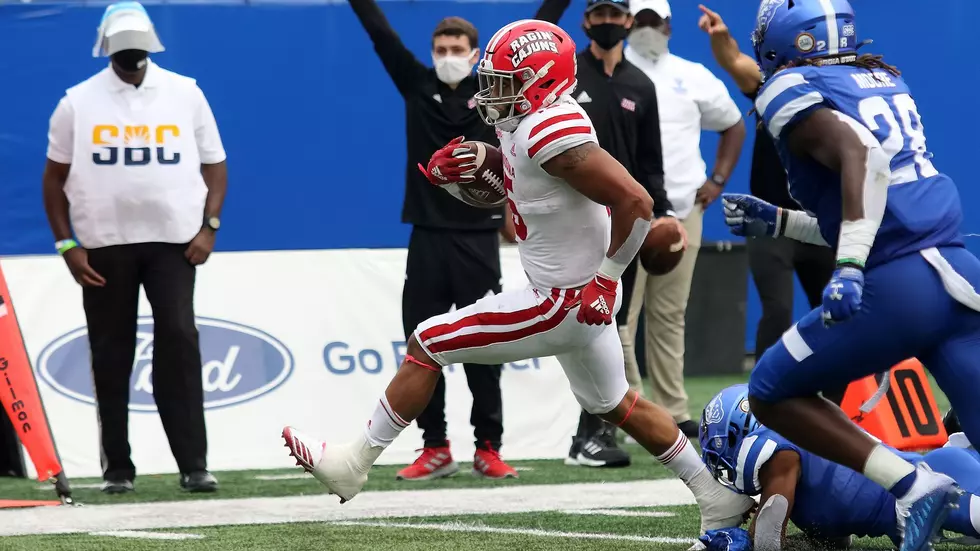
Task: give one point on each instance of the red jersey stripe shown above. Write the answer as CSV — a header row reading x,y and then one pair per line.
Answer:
x,y
556,135
553,121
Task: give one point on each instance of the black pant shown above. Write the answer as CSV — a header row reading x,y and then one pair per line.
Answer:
x,y
773,262
445,268
111,313
626,283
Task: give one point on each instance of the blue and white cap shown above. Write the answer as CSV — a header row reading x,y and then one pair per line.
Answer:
x,y
126,26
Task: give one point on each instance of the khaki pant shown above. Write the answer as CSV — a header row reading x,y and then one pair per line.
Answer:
x,y
664,300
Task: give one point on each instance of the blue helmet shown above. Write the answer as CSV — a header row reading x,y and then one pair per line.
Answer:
x,y
789,30
725,421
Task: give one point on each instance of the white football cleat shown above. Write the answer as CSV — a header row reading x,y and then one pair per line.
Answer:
x,y
336,467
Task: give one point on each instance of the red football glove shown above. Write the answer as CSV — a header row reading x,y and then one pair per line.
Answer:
x,y
451,165
598,300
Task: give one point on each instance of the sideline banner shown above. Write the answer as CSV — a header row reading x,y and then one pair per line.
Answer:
x,y
305,338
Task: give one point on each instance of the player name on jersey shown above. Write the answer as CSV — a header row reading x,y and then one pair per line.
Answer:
x,y
875,79
535,41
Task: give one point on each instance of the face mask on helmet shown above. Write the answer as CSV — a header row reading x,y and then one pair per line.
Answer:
x,y
648,42
500,100
452,69
606,35
129,61
725,422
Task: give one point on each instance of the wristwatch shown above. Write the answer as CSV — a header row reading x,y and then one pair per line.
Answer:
x,y
212,222
718,179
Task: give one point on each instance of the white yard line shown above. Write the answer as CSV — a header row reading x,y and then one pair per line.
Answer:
x,y
619,513
147,535
293,476
369,505
74,486
475,528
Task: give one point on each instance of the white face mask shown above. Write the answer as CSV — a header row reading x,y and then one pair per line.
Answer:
x,y
649,42
452,69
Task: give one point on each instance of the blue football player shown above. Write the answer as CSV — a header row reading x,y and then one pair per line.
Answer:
x,y
851,139
829,503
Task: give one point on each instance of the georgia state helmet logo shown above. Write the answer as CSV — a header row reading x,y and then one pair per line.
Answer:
x,y
714,413
766,12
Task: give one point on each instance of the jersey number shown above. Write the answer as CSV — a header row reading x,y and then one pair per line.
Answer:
x,y
916,403
896,134
520,228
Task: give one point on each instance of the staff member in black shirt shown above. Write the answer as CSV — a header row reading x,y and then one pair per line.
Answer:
x,y
772,261
453,253
622,103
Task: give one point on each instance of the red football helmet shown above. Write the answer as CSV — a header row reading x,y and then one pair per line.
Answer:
x,y
527,65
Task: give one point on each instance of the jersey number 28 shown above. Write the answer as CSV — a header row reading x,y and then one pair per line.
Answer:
x,y
902,124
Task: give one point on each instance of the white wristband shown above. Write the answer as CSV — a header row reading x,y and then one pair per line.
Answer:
x,y
802,227
610,269
856,239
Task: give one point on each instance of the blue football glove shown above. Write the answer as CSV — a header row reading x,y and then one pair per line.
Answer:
x,y
727,539
842,296
749,216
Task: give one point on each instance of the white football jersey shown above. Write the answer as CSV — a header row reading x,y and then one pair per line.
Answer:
x,y
562,235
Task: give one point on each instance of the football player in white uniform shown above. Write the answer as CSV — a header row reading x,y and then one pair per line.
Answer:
x,y
580,219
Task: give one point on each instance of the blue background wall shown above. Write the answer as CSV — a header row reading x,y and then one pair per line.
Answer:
x,y
305,107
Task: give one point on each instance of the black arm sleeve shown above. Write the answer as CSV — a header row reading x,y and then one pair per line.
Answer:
x,y
552,10
405,70
650,156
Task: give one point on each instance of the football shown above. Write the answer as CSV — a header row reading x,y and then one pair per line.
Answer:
x,y
488,188
662,250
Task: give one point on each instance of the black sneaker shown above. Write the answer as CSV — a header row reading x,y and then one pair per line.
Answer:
x,y
198,481
951,422
601,450
117,486
689,428
572,458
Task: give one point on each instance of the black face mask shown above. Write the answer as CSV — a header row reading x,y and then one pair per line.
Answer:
x,y
607,35
129,61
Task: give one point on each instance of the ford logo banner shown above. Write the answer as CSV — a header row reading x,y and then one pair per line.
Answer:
x,y
239,363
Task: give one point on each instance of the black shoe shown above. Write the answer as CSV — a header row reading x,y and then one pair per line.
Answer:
x,y
588,425
689,428
199,481
572,459
951,422
117,486
601,450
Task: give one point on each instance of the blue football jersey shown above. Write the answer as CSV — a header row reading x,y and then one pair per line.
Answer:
x,y
923,206
831,500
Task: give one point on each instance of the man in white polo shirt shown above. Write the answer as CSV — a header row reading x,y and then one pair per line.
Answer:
x,y
690,100
137,169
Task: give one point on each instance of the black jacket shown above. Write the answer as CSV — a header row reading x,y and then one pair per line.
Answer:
x,y
623,109
434,115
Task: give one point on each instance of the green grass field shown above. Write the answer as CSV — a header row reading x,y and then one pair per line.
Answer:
x,y
411,528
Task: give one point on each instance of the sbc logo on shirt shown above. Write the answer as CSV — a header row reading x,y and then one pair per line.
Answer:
x,y
137,145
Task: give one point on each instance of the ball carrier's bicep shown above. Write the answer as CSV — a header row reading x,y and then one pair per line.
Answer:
x,y
778,479
591,171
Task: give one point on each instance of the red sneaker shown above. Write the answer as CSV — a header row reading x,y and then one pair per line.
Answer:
x,y
433,463
488,464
